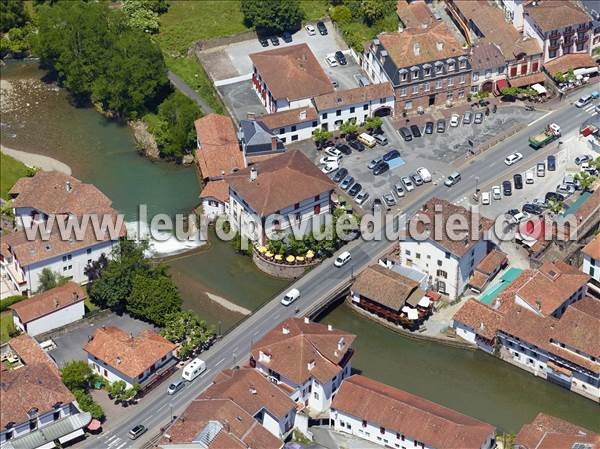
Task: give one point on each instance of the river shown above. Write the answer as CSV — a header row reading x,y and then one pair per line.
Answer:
x,y
40,119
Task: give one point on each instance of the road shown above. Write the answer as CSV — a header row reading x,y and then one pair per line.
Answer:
x,y
189,92
155,410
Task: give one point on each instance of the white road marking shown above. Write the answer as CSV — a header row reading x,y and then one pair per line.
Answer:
x,y
124,444
219,362
111,438
161,407
117,441
256,333
540,118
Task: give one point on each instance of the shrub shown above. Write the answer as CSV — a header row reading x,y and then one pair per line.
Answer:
x,y
6,303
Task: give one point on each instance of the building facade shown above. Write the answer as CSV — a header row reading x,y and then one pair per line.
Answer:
x,y
591,266
489,68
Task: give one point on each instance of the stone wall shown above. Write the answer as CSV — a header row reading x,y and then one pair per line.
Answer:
x,y
281,270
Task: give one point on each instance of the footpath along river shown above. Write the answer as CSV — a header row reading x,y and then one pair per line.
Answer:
x,y
37,117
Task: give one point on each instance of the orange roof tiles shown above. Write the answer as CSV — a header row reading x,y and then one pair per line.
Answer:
x,y
357,95
551,15
218,189
484,320
384,286
414,13
288,117
49,302
592,249
569,61
549,432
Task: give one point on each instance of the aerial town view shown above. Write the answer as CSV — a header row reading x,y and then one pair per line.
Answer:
x,y
300,224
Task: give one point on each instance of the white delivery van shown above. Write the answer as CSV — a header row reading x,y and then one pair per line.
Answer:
x,y
193,369
367,140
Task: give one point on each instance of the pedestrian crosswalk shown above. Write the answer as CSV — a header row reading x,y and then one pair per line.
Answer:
x,y
113,442
592,109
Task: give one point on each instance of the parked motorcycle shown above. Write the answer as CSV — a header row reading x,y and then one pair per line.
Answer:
x,y
529,108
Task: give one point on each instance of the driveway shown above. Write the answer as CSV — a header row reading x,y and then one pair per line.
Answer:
x,y
71,340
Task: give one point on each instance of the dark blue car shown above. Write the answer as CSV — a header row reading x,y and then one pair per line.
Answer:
x,y
393,154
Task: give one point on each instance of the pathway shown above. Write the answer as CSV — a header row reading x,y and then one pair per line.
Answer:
x,y
189,92
228,304
37,160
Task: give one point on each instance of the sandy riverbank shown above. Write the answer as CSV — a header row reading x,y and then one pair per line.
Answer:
x,y
37,160
228,304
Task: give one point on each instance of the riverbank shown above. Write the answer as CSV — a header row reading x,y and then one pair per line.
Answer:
x,y
45,163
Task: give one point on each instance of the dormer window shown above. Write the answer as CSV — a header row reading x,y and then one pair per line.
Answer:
x,y
427,70
439,66
403,74
451,66
415,72
462,63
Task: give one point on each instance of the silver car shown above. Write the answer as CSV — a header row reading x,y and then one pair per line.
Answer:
x,y
408,184
374,163
389,199
399,189
361,197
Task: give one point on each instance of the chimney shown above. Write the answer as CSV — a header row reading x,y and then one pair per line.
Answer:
x,y
417,49
329,327
311,364
68,186
252,389
439,45
253,174
118,360
306,320
74,296
55,303
273,143
340,343
285,330
302,115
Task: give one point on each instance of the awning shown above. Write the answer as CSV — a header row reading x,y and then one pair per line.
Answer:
x,y
569,61
501,84
62,430
425,302
412,314
539,89
71,436
528,80
94,425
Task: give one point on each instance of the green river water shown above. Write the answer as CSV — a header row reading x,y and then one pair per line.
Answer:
x,y
37,117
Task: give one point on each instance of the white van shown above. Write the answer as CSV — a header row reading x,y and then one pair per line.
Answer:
x,y
290,297
583,101
342,259
193,369
367,140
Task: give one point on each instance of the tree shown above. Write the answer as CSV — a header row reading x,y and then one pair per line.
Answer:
x,y
349,127
143,14
272,15
341,15
153,297
12,14
49,279
77,375
373,123
585,180
188,330
95,267
555,206
374,10
87,404
321,136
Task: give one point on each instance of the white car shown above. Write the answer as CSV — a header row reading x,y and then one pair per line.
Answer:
x,y
454,120
290,297
310,30
424,174
342,259
529,177
497,193
513,159
361,197
333,151
331,61
328,168
485,198
326,160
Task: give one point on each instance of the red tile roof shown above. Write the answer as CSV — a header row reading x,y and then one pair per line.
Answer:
x,y
492,262
358,95
551,15
292,72
417,418
219,152
303,343
527,80
49,302
414,13
592,249
549,432
570,61
288,117
484,320
384,286
270,191
128,354
218,189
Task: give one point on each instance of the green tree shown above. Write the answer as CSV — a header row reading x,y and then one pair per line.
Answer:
x,y
321,136
87,404
143,14
188,330
373,123
76,375
555,206
349,127
272,15
341,15
153,297
12,14
585,180
374,10
49,279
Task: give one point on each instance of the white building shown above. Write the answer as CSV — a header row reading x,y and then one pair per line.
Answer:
x,y
591,266
513,12
308,359
214,199
36,409
116,355
277,193
394,418
292,125
50,310
448,260
288,77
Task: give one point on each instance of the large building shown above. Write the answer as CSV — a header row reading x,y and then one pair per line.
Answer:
x,y
288,77
449,261
36,409
426,66
308,359
276,193
549,432
42,201
591,266
395,418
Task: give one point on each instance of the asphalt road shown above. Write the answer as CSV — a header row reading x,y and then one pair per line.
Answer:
x,y
155,410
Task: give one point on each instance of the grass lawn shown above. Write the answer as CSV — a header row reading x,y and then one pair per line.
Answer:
x,y
314,9
10,171
6,324
90,306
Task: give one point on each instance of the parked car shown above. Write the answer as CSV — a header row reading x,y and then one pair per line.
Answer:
x,y
541,169
137,431
483,102
529,177
566,189
405,133
533,209
429,128
454,120
274,41
380,139
518,217
381,168
417,179
353,191
551,162
513,158
408,184
518,180
330,160
361,197
358,146
584,158
424,174
441,126
332,151
478,120
400,193
329,168
467,117
342,259
286,36
331,61
506,188
290,297
264,42
485,198
175,386
340,174
512,212
496,193
389,199
415,130
452,179
340,57
540,203
345,149
374,163
583,101
393,154
376,206
322,28
310,30
347,182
